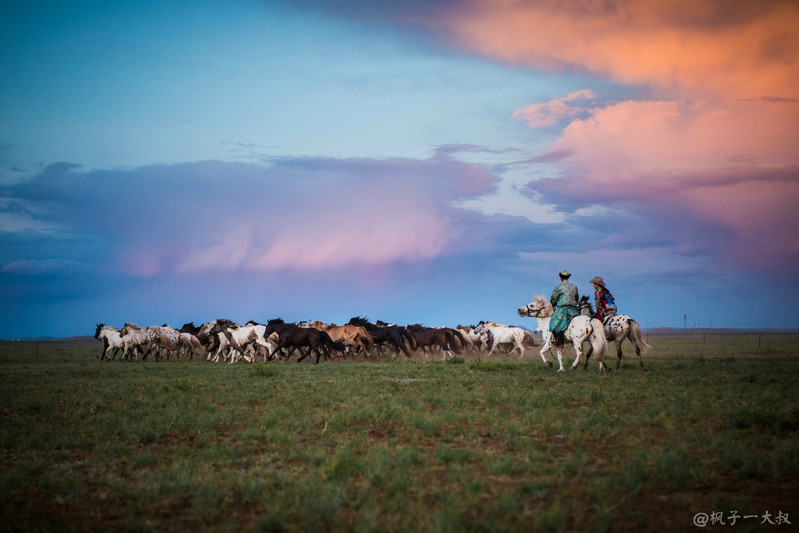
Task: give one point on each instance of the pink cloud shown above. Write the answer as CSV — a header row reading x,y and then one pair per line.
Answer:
x,y
305,214
731,165
552,112
716,141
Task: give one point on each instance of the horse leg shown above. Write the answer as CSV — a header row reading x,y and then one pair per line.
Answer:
x,y
588,356
320,349
637,352
559,351
446,352
578,351
520,346
547,345
493,345
302,355
618,352
362,347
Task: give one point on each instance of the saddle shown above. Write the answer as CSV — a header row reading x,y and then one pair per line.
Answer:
x,y
610,314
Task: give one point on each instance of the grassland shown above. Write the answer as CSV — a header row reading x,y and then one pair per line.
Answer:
x,y
396,445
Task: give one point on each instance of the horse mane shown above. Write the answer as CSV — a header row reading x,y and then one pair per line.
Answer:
x,y
225,323
358,321
275,321
546,307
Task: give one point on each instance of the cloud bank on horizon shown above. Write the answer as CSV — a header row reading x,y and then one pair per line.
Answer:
x,y
653,143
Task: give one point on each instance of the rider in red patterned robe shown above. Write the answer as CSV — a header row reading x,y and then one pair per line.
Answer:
x,y
605,304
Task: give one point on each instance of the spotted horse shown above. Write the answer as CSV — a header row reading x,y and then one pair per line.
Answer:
x,y
617,329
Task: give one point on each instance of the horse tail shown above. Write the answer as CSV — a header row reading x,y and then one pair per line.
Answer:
x,y
460,337
638,335
366,339
196,344
453,341
597,339
405,335
329,345
490,341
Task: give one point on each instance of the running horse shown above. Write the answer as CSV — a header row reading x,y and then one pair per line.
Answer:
x,y
581,328
618,328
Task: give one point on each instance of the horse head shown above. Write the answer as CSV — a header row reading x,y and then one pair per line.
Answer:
x,y
540,308
189,328
584,306
99,328
128,327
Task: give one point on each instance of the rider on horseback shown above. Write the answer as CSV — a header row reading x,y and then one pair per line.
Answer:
x,y
564,300
605,304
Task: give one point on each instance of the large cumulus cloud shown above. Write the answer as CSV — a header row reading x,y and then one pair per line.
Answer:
x,y
712,147
293,213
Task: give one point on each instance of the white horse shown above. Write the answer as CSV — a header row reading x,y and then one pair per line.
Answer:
x,y
175,342
474,341
135,339
581,329
242,341
503,335
618,328
112,341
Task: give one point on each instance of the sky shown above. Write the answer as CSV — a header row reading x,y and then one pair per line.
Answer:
x,y
413,162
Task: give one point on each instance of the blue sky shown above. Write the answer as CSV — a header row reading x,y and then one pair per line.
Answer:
x,y
172,162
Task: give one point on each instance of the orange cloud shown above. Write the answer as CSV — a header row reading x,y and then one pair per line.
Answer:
x,y
726,47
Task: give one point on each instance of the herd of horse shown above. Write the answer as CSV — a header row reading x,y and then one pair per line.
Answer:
x,y
226,341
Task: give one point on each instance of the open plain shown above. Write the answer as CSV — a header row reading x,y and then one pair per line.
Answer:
x,y
392,444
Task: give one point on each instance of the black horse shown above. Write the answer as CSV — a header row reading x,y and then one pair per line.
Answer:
x,y
293,337
383,333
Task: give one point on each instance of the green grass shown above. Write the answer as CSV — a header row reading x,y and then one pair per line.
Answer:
x,y
395,445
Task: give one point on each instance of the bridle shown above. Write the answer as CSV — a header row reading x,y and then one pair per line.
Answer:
x,y
536,311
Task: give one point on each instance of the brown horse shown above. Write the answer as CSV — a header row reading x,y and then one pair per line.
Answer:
x,y
447,339
354,336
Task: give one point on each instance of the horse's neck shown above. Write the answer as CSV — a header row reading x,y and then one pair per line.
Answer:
x,y
543,322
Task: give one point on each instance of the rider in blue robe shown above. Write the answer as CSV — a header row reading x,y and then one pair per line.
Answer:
x,y
564,300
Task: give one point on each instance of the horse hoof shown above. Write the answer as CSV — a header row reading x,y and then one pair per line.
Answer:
x,y
549,364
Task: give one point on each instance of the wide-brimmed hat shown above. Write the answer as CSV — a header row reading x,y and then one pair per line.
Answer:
x,y
565,274
598,281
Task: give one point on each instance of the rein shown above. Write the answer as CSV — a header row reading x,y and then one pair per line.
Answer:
x,y
537,313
